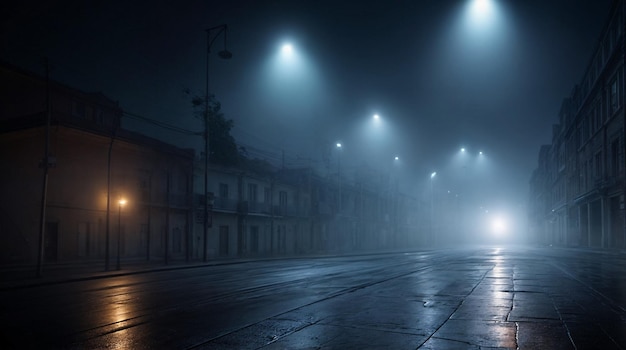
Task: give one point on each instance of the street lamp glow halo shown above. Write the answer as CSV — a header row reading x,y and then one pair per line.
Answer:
x,y
287,49
482,7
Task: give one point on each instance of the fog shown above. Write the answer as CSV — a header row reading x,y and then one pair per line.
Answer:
x,y
486,77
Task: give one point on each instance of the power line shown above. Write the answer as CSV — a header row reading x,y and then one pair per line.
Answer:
x,y
162,124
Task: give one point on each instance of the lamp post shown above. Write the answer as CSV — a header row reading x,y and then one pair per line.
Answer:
x,y
224,54
432,206
121,203
395,196
339,172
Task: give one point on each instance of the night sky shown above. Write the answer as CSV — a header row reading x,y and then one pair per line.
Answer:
x,y
440,74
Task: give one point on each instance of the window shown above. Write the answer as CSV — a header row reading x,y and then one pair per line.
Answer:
x,y
615,158
583,176
282,238
223,241
585,130
282,199
598,163
597,114
143,185
177,240
223,190
267,196
252,192
254,239
614,102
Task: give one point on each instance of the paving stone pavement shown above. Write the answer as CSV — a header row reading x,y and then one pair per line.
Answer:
x,y
516,303
492,298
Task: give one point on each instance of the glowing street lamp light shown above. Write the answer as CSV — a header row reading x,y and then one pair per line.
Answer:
x,y
339,146
121,203
482,7
482,13
377,121
287,49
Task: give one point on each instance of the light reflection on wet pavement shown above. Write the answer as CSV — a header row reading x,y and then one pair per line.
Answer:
x,y
502,298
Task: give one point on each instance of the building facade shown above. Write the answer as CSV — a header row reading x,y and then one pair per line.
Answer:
x,y
109,194
112,196
577,190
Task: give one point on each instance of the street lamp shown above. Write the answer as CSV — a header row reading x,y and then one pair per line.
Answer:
x,y
395,198
339,147
432,206
224,54
121,203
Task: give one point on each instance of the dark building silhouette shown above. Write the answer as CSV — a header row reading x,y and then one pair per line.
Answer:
x,y
254,211
577,190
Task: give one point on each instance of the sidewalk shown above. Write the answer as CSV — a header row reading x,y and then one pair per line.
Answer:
x,y
25,276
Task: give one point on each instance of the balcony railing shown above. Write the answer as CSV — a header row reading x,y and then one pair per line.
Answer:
x,y
227,204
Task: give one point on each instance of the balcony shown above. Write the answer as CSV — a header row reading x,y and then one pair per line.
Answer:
x,y
258,208
286,210
225,204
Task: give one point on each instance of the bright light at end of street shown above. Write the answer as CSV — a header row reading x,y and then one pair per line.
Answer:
x,y
433,174
122,201
338,144
498,226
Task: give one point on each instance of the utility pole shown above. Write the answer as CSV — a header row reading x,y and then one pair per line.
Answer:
x,y
224,54
45,163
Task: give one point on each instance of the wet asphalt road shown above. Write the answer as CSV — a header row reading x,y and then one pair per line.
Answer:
x,y
481,298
